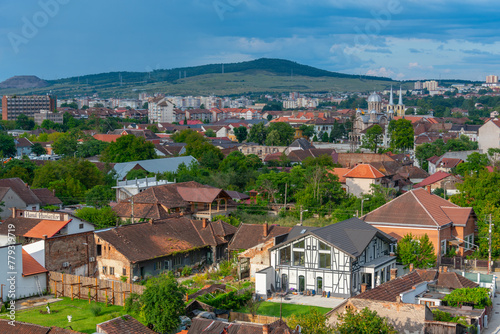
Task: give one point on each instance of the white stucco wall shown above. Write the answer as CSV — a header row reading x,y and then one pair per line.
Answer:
x,y
358,186
488,137
263,281
37,250
74,226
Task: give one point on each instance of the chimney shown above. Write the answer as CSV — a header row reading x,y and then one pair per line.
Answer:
x,y
266,230
398,299
151,221
411,267
363,287
445,269
265,329
45,236
204,220
394,273
429,189
13,212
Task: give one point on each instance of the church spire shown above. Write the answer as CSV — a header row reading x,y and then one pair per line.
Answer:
x,y
400,96
391,99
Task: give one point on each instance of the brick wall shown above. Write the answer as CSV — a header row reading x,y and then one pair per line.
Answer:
x,y
71,253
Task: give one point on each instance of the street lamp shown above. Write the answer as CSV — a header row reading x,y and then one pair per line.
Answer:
x,y
362,201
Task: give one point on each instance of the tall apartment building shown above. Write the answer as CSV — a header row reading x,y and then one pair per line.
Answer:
x,y
418,85
431,85
160,110
51,116
13,106
492,79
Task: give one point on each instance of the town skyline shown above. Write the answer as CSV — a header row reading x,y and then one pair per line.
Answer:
x,y
403,40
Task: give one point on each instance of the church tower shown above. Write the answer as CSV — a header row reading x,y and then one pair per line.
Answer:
x,y
374,103
400,108
391,107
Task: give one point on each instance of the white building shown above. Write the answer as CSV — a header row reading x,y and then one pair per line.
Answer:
x,y
160,110
128,188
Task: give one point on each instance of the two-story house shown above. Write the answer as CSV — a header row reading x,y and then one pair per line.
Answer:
x,y
334,259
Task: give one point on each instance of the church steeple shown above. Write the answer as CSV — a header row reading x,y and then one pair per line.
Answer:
x,y
391,99
400,96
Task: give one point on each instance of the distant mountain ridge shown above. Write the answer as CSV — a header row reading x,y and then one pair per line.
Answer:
x,y
24,82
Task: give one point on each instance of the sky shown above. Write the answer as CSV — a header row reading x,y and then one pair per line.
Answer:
x,y
403,40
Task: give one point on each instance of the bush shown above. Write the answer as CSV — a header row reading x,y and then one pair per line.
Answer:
x,y
186,271
478,297
227,301
95,310
133,303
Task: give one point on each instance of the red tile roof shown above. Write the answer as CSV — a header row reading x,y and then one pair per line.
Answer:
x,y
364,171
46,227
340,172
199,195
107,138
31,266
416,208
449,162
123,325
438,176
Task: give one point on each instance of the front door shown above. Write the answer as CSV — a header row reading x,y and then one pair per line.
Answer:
x,y
284,282
319,285
302,283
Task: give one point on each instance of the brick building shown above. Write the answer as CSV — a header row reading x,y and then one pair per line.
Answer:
x,y
13,106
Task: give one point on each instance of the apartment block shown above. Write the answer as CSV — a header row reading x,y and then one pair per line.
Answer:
x,y
13,106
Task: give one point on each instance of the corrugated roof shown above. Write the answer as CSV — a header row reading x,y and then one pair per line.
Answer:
x,y
31,266
46,227
364,171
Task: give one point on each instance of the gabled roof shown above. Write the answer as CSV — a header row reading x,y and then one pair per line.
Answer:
x,y
418,208
46,227
26,328
123,325
21,189
201,194
301,155
449,162
153,165
364,171
436,177
46,196
31,266
340,172
250,235
302,143
145,241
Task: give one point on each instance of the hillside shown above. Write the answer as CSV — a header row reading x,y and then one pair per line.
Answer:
x,y
23,82
261,75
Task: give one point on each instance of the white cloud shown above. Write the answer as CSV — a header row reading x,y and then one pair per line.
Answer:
x,y
381,72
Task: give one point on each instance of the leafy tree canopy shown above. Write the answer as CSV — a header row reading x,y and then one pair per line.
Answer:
x,y
7,145
363,322
129,148
373,138
416,250
101,218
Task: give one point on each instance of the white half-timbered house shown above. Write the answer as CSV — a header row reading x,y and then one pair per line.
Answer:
x,y
337,259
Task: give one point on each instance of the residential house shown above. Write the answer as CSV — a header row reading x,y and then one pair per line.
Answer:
x,y
260,150
441,180
153,165
191,199
17,194
298,156
299,144
360,179
447,161
47,197
209,326
127,188
489,135
219,130
340,172
23,146
140,250
255,240
335,259
418,212
468,130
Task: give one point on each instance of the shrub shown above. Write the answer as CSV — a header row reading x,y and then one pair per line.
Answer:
x,y
478,297
95,310
186,271
133,303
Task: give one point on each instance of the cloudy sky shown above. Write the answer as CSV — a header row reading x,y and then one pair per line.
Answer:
x,y
400,39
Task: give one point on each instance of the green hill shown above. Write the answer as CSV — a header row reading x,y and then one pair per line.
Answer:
x,y
261,75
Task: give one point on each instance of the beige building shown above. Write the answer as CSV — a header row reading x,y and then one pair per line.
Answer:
x,y
51,116
431,85
492,79
489,135
360,178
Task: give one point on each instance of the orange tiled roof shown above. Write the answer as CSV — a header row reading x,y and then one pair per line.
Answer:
x,y
107,138
46,227
340,172
364,171
31,266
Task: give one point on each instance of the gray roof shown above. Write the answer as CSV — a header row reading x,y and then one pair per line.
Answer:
x,y
297,231
302,143
352,236
154,165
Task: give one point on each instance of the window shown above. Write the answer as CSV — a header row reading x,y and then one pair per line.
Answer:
x,y
325,260
469,241
124,271
443,247
157,265
104,270
111,270
285,255
99,250
166,265
298,258
323,246
299,244
177,261
80,226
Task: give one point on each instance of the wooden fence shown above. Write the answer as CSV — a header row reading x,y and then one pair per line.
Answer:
x,y
91,289
260,319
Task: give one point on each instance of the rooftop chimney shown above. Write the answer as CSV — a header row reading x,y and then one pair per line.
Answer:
x,y
151,221
411,266
429,189
445,269
265,329
266,230
45,236
363,287
204,220
398,299
394,273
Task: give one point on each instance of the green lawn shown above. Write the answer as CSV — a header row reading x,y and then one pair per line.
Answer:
x,y
83,319
273,309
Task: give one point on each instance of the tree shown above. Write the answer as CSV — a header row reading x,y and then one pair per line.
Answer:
x,y
25,123
324,137
241,133
163,302
364,322
307,130
38,149
312,322
258,133
99,196
479,297
65,145
474,164
7,146
129,148
416,250
373,138
101,218
273,138
90,148
210,133
402,135
285,131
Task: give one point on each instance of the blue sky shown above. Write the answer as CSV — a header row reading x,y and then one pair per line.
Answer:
x,y
400,39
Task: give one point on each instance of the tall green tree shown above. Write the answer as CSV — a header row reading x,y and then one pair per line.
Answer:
x,y
7,145
285,131
65,145
373,138
241,133
474,163
363,322
24,122
258,133
129,148
307,130
38,149
402,134
312,322
416,250
102,218
99,195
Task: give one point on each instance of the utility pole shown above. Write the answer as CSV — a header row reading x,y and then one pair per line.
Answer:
x,y
489,248
286,185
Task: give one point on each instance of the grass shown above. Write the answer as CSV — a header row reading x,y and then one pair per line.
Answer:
x,y
83,320
273,309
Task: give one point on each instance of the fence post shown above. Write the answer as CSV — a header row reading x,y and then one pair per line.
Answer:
x,y
62,284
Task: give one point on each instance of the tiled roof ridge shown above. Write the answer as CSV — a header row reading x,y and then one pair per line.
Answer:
x,y
386,204
423,207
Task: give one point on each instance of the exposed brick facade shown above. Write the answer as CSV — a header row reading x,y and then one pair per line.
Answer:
x,y
69,254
